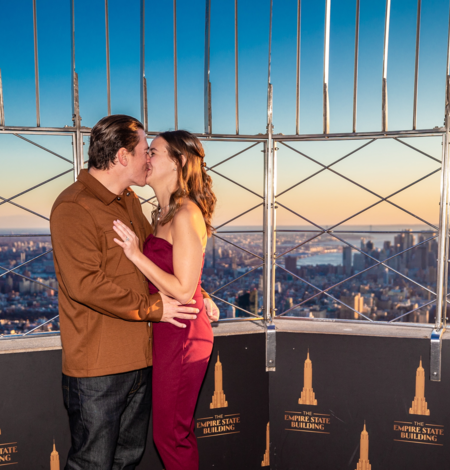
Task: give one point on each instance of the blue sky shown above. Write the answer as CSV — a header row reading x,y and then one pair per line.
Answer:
x,y
17,67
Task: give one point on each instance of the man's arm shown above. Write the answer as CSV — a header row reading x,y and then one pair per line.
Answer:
x,y
79,257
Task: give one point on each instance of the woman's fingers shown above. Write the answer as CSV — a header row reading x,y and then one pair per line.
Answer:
x,y
119,230
119,242
176,323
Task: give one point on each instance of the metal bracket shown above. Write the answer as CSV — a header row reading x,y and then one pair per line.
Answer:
x,y
271,347
436,354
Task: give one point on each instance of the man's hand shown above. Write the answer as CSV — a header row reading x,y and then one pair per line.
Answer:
x,y
211,310
173,309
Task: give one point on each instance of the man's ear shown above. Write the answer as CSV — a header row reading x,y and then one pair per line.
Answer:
x,y
183,160
122,156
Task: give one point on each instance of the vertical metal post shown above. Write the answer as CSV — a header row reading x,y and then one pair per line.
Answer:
x,y
441,291
384,91
77,139
175,63
269,220
326,64
416,67
236,64
2,108
143,80
443,249
269,240
207,77
355,71
108,72
36,65
297,109
443,245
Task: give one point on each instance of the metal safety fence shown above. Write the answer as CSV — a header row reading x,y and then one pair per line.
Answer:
x,y
270,260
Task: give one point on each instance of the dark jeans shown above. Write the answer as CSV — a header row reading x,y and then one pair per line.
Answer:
x,y
109,419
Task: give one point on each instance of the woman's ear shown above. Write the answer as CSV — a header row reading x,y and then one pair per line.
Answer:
x,y
183,160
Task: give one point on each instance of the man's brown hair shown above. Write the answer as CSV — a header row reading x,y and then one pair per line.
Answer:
x,y
109,135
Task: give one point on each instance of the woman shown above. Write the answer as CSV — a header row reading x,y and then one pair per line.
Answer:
x,y
172,261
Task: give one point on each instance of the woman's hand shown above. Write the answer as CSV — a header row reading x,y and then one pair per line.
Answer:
x,y
129,241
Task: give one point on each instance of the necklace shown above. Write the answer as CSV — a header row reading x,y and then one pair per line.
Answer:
x,y
160,209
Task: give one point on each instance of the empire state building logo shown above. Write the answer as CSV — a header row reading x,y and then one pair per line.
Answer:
x,y
307,397
54,458
218,399
363,463
419,404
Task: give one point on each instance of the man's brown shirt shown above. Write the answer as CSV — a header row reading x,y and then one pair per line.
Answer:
x,y
103,297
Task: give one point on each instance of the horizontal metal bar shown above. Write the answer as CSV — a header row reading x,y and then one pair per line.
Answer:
x,y
360,135
240,319
243,138
241,231
346,321
25,235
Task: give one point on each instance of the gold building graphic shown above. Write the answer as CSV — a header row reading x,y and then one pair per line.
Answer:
x,y
266,459
419,404
363,463
54,459
218,399
307,397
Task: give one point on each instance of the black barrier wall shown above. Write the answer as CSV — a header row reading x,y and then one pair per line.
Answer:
x,y
370,404
232,412
335,401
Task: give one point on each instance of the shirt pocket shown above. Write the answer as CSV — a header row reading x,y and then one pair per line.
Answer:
x,y
117,264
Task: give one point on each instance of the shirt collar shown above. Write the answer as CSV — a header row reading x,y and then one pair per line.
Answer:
x,y
96,188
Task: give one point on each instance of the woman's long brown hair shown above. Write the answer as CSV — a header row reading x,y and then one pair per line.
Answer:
x,y
193,180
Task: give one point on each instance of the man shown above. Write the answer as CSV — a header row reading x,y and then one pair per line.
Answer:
x,y
105,308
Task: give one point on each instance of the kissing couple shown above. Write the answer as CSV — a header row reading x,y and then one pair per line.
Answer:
x,y
134,320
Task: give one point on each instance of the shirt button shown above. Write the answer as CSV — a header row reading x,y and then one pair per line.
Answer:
x,y
118,198
131,222
128,194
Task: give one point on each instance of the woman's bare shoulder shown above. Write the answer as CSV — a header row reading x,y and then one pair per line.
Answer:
x,y
189,214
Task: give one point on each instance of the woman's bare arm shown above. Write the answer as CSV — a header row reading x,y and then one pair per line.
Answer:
x,y
187,229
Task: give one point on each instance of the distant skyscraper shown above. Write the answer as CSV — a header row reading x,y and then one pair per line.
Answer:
x,y
290,263
359,261
347,259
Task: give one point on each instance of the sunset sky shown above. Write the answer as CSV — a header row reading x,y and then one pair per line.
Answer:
x,y
383,167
